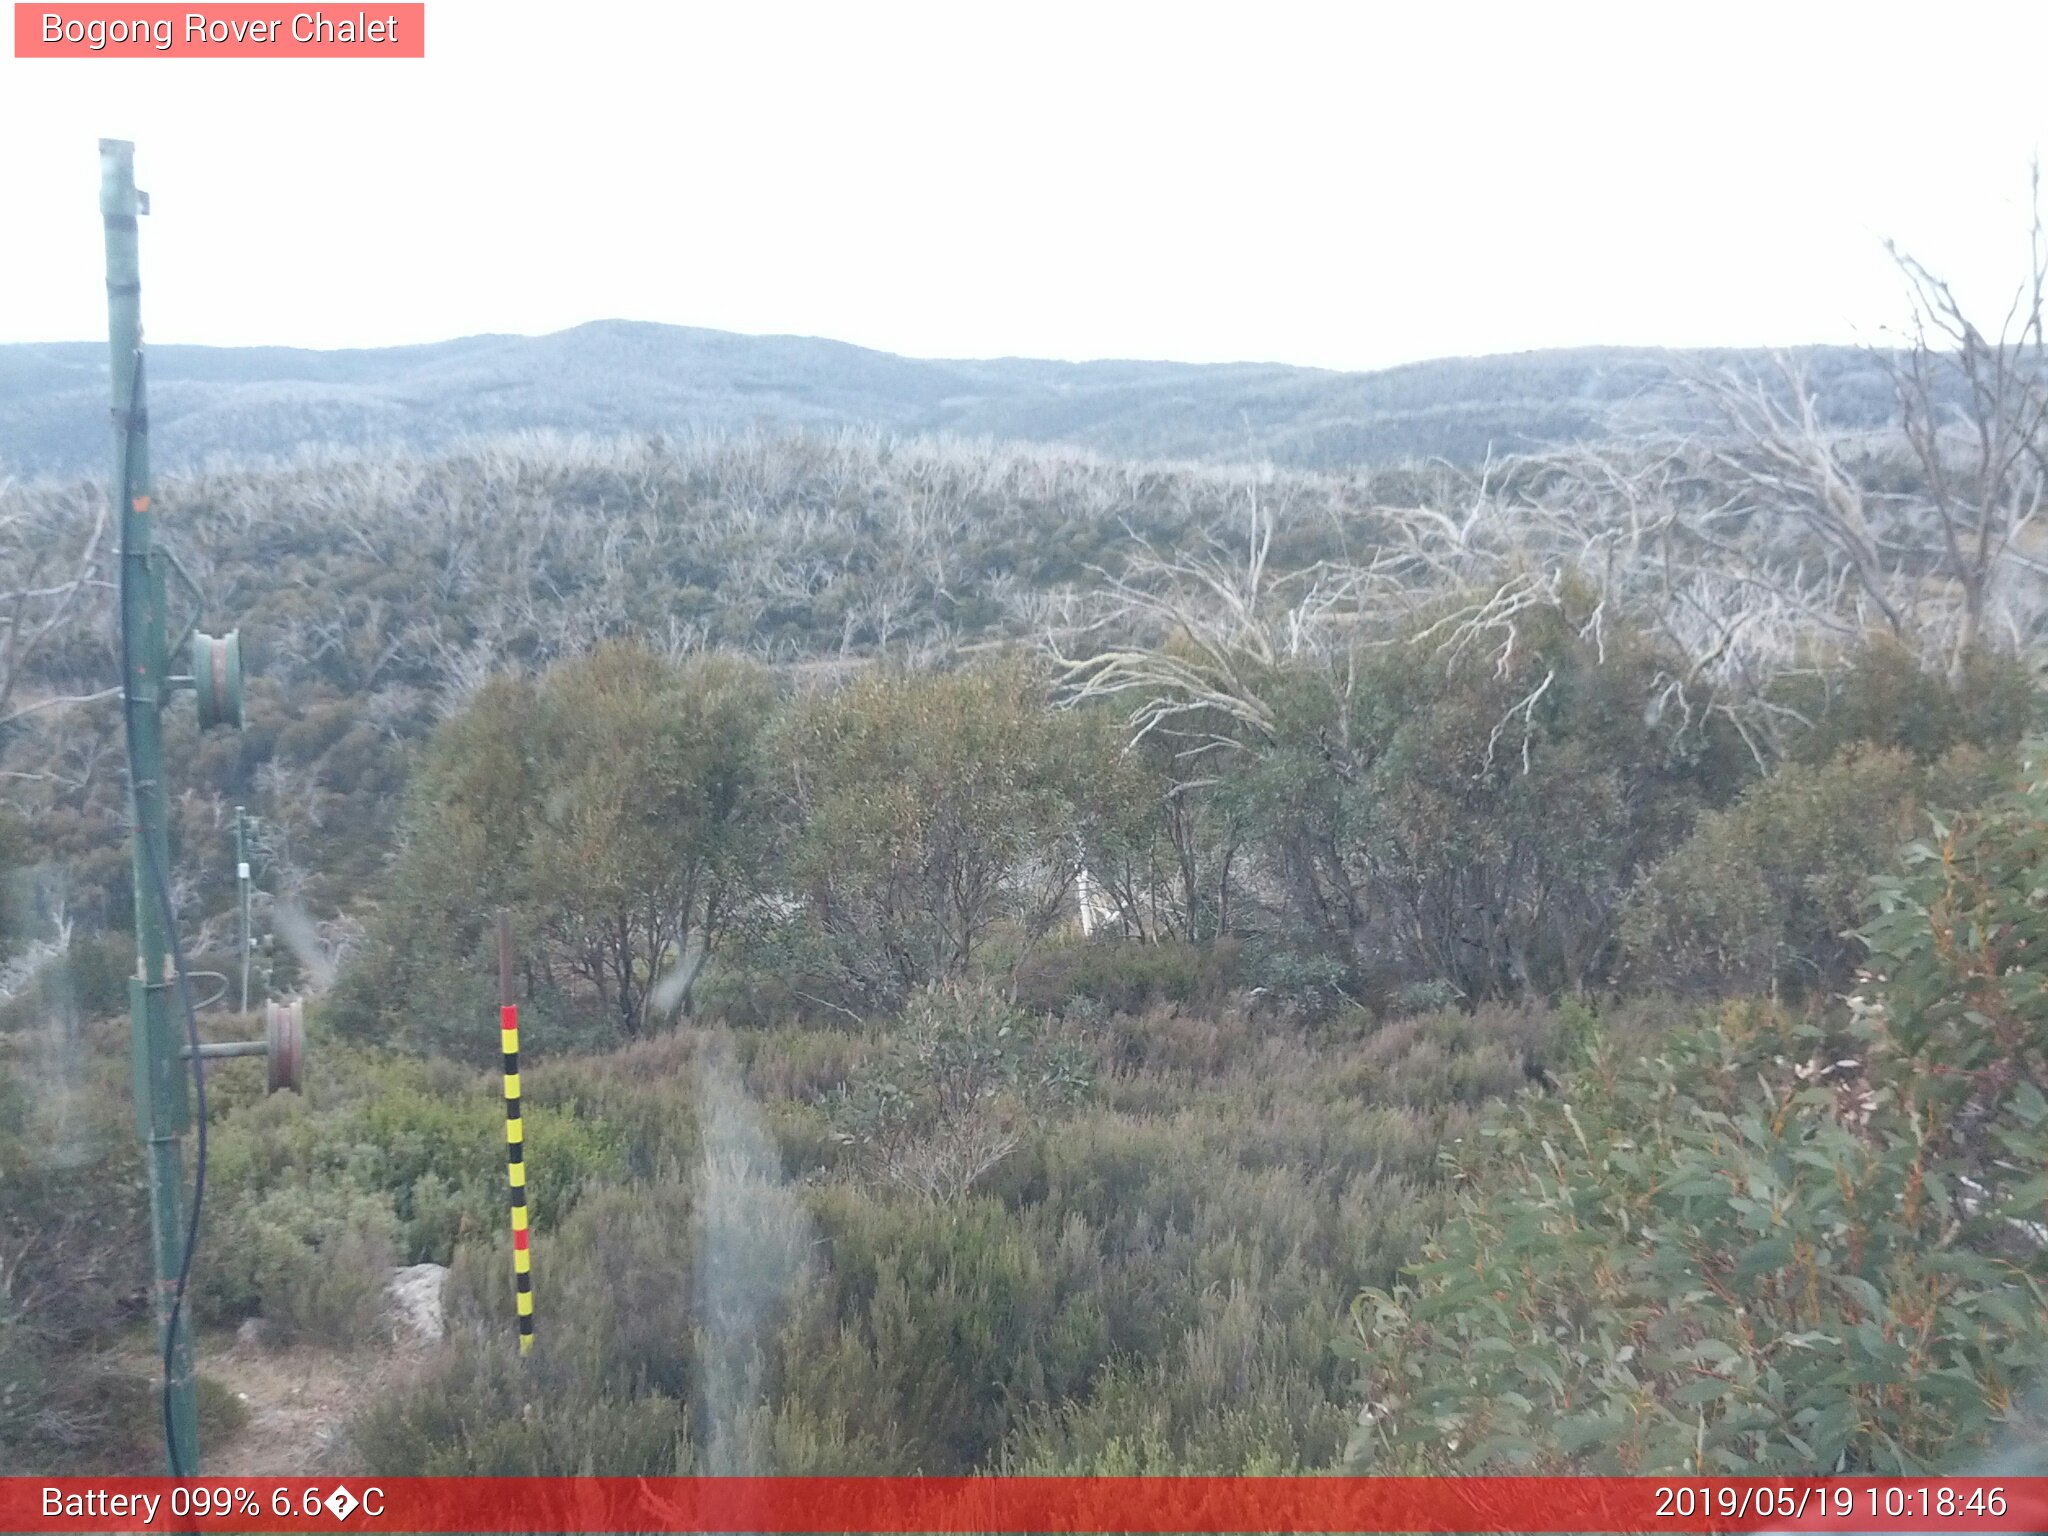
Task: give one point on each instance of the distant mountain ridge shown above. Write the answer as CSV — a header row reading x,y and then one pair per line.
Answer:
x,y
626,376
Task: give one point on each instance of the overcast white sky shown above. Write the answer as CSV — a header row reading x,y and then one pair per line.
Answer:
x,y
1348,185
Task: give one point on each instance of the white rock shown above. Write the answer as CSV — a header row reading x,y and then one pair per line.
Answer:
x,y
416,1299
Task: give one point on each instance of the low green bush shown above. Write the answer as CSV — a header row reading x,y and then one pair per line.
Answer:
x,y
1763,896
312,1261
1881,696
427,1138
1145,1281
961,1078
1123,976
1167,1045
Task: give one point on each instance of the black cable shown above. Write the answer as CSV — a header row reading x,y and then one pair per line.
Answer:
x,y
170,920
160,888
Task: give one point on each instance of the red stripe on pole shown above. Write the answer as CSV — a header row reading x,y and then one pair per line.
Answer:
x,y
519,1238
508,1016
1030,1504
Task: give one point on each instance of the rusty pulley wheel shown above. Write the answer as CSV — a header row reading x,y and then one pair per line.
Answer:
x,y
284,1033
217,679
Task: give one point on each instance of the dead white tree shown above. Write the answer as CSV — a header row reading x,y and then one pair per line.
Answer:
x,y
1945,564
49,580
1974,409
1198,637
1785,467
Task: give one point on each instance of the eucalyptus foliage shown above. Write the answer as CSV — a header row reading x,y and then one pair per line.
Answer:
x,y
1759,1245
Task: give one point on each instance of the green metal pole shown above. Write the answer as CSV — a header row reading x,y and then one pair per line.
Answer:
x,y
162,1110
242,881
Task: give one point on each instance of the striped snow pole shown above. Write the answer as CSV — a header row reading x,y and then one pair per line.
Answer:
x,y
515,1137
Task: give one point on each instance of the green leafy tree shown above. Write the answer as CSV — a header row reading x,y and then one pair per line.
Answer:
x,y
1165,855
929,812
1476,816
651,827
616,806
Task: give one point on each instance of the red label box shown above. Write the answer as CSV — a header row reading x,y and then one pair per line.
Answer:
x,y
1109,1506
226,31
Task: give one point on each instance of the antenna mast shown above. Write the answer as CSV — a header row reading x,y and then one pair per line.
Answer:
x,y
163,1111
159,996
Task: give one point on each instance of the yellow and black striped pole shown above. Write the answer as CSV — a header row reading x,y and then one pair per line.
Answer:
x,y
515,1137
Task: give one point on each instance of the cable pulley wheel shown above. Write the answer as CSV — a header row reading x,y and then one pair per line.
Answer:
x,y
217,678
284,1033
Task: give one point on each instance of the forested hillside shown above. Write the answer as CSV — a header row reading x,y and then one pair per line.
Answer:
x,y
613,377
1032,961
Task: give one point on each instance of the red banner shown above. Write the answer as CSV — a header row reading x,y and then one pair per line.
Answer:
x,y
225,31
1024,1504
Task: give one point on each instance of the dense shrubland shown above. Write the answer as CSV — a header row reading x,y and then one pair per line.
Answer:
x,y
1433,828
1144,1278
1014,947
378,593
1048,1202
